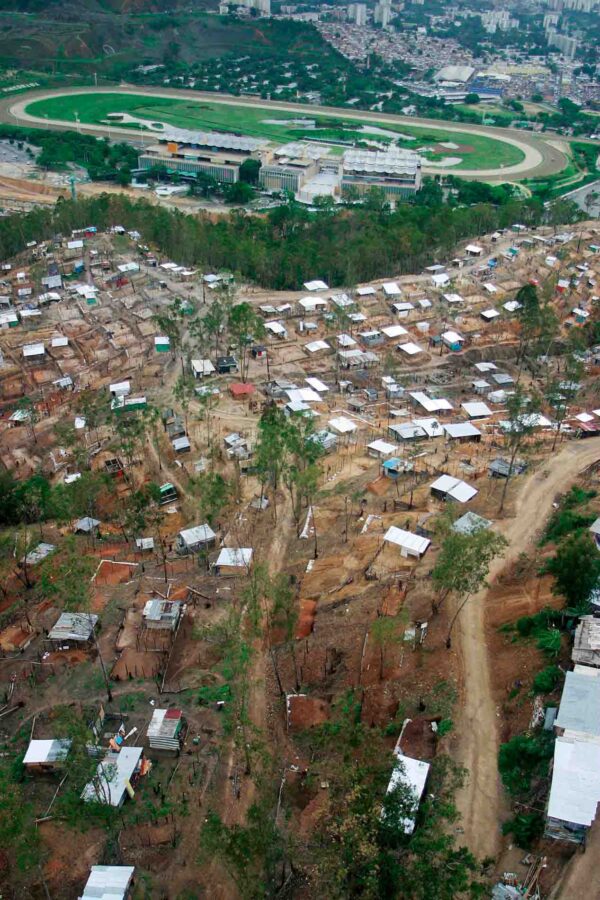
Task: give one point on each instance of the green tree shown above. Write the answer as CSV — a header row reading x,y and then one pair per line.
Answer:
x,y
249,171
214,493
521,424
19,836
245,326
576,569
385,632
239,192
463,563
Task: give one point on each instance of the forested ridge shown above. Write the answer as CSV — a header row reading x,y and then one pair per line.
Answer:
x,y
288,245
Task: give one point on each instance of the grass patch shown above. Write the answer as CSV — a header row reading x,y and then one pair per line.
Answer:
x,y
568,518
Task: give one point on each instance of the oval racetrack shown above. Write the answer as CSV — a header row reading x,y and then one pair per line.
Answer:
x,y
541,155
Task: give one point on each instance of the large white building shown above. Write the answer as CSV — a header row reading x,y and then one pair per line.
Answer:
x,y
395,171
357,13
382,13
563,42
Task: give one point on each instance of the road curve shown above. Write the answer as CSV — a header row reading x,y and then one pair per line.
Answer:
x,y
540,157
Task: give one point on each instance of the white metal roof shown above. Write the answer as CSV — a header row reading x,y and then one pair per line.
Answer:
x,y
413,773
453,298
342,425
411,348
407,539
391,289
382,447
120,388
112,776
108,883
430,426
489,314
144,543
235,557
275,327
315,285
404,306
60,341
312,302
454,487
575,790
477,409
441,279
344,340
315,346
579,710
46,751
303,395
202,367
452,337
33,350
461,429
317,385
181,443
199,534
431,404
408,431
365,291
393,331
485,366
161,340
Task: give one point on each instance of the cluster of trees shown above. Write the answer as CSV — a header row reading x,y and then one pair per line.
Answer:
x,y
358,846
104,161
290,244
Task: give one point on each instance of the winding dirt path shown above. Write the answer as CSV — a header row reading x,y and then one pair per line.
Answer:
x,y
482,802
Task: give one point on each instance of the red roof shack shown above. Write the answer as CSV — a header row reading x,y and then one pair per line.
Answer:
x,y
239,389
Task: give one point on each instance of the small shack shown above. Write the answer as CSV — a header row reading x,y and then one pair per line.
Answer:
x,y
86,525
167,730
586,645
411,773
162,614
46,755
202,368
446,487
73,629
234,561
410,544
115,777
226,364
191,540
108,883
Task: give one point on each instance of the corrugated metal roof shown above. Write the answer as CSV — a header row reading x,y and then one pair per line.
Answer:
x,y
575,790
406,539
108,883
73,627
579,709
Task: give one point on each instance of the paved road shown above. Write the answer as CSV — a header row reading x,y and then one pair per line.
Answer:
x,y
540,157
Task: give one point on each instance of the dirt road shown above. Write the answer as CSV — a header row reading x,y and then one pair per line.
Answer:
x,y
582,876
482,802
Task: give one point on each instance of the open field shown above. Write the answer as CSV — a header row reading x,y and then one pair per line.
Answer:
x,y
474,150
